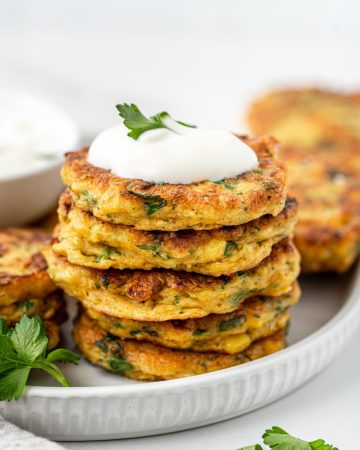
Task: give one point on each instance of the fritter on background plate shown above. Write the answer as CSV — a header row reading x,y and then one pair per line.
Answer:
x,y
46,308
319,133
23,269
25,286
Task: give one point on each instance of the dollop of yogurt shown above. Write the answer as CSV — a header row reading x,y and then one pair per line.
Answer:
x,y
181,155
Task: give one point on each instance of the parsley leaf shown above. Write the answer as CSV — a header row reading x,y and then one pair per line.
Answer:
x,y
153,248
320,444
119,364
24,348
12,383
229,324
29,340
152,203
62,354
225,184
137,123
251,447
230,248
3,326
104,253
278,439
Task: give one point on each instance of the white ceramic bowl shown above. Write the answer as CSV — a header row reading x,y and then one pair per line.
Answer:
x,y
29,192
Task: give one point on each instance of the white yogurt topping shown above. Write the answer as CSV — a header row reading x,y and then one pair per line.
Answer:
x,y
33,133
185,156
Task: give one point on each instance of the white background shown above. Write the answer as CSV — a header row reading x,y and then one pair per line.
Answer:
x,y
202,61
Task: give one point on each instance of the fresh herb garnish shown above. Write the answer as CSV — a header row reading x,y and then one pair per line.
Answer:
x,y
235,322
89,199
119,364
279,439
236,299
26,306
24,348
101,345
199,331
251,447
230,248
134,332
225,184
146,329
156,249
137,123
152,203
279,310
153,248
104,253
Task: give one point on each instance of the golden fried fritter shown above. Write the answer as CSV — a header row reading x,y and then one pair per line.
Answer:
x,y
87,241
320,136
147,361
308,117
231,333
52,330
50,309
46,308
23,272
163,294
171,207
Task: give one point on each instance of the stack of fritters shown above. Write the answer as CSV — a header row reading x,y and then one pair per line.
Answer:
x,y
25,286
320,140
177,280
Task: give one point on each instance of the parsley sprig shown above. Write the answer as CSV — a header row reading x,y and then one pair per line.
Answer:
x,y
137,123
278,439
24,348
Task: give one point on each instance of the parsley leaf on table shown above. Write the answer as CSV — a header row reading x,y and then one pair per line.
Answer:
x,y
137,123
278,439
251,447
320,444
24,348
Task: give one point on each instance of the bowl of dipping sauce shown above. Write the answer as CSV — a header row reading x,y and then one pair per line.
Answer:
x,y
34,135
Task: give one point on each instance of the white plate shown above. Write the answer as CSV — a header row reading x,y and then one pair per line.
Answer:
x,y
106,406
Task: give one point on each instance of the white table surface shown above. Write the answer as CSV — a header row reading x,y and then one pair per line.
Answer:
x,y
203,61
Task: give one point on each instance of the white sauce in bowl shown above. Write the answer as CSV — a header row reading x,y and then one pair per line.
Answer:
x,y
33,134
162,156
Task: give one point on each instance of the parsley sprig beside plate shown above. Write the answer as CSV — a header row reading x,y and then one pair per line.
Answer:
x,y
278,439
137,123
24,348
